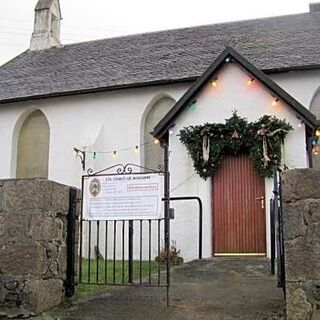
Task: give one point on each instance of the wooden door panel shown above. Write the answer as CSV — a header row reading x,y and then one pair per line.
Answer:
x,y
238,219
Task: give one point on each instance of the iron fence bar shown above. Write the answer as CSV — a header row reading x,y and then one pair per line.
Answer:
x,y
81,231
282,260
89,255
279,229
276,210
272,237
166,215
140,251
200,216
98,252
159,239
149,266
123,229
106,254
279,249
130,251
114,249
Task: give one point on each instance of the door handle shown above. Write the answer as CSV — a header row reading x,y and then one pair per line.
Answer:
x,y
261,199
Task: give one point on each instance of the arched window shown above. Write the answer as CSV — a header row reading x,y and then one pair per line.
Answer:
x,y
33,147
155,111
315,109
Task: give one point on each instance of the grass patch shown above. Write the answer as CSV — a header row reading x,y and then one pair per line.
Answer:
x,y
119,276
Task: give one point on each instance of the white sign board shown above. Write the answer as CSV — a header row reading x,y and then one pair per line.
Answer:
x,y
122,197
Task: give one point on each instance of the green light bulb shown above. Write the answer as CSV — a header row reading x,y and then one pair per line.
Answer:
x,y
193,106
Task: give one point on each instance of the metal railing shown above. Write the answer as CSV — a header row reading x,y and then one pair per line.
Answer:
x,y
200,218
277,239
111,258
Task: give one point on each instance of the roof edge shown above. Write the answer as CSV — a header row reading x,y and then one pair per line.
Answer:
x,y
96,90
135,85
163,126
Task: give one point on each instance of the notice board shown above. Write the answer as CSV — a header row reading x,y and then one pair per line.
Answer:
x,y
122,197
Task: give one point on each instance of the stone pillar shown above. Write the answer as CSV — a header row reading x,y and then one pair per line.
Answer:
x,y
301,214
33,251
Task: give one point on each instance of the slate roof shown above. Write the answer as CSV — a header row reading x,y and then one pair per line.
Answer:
x,y
271,44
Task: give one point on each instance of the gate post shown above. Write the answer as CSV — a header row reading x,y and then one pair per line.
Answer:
x,y
301,215
166,212
35,245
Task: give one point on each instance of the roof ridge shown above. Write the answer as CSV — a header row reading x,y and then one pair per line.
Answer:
x,y
128,36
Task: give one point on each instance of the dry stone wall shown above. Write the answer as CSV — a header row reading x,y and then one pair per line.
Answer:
x,y
301,214
33,249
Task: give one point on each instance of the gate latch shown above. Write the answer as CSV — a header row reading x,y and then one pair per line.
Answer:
x,y
171,213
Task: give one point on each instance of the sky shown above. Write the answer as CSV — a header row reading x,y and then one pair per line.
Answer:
x,y
85,20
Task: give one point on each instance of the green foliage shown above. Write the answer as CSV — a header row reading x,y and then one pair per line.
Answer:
x,y
237,135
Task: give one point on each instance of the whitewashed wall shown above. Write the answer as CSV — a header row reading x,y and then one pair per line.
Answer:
x,y
102,121
302,85
112,120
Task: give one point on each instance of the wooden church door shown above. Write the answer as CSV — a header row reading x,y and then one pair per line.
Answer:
x,y
239,225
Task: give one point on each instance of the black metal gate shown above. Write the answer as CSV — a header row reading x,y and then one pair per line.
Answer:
x,y
126,252
276,227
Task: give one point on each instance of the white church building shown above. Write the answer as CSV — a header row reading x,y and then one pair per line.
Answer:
x,y
105,97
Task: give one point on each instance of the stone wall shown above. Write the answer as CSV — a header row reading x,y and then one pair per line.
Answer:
x,y
301,213
33,251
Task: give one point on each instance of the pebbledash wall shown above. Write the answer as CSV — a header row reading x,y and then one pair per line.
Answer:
x,y
112,121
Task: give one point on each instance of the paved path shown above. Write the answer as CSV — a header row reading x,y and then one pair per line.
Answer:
x,y
219,288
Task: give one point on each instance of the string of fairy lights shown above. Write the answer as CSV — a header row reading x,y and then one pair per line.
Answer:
x,y
315,140
115,152
275,100
82,154
215,82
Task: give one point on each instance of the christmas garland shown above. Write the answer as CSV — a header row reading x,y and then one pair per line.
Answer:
x,y
208,144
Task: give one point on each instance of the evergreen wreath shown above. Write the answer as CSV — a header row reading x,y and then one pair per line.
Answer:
x,y
208,144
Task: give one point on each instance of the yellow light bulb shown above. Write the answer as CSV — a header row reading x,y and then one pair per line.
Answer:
x,y
156,141
214,82
249,82
318,133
